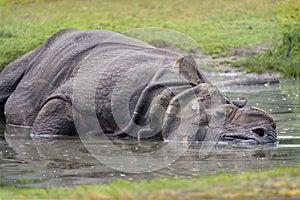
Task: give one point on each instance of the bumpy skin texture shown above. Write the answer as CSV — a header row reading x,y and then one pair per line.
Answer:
x,y
77,73
30,85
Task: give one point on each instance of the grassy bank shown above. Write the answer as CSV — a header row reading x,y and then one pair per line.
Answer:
x,y
216,25
284,55
281,182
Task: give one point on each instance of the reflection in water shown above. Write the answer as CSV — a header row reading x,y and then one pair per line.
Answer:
x,y
41,162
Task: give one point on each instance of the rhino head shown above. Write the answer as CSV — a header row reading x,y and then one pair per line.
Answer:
x,y
248,125
210,114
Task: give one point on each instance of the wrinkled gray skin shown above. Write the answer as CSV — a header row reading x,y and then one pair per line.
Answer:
x,y
37,90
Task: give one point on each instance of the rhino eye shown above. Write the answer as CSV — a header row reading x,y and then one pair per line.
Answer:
x,y
259,131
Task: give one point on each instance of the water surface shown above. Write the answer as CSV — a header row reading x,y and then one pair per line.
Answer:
x,y
42,162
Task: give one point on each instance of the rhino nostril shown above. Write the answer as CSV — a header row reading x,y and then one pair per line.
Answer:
x,y
259,131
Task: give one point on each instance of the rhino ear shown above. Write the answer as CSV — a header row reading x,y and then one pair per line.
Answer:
x,y
188,69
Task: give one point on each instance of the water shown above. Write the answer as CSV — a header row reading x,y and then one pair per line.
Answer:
x,y
41,162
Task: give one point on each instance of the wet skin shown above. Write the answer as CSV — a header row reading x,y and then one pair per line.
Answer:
x,y
165,100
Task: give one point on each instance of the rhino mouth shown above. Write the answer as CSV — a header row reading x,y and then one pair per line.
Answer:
x,y
239,139
253,137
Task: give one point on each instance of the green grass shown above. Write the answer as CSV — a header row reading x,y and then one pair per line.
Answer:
x,y
284,56
215,25
280,182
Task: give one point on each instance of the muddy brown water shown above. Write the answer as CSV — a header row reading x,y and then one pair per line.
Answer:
x,y
43,162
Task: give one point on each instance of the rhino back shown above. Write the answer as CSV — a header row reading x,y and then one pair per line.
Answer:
x,y
57,59
109,60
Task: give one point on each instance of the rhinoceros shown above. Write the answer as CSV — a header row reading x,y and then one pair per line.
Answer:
x,y
132,89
